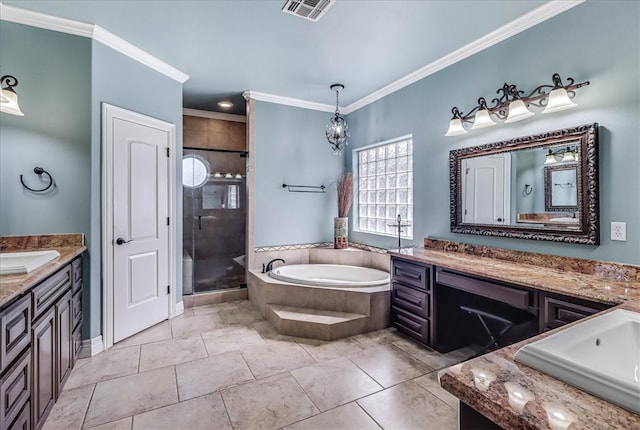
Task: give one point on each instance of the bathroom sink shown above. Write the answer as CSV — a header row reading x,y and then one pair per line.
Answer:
x,y
600,356
24,262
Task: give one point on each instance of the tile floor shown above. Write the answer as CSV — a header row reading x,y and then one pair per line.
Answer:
x,y
223,367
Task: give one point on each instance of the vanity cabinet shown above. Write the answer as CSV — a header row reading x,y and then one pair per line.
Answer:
x,y
411,298
39,343
557,310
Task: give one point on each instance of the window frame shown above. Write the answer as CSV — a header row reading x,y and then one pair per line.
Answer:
x,y
355,161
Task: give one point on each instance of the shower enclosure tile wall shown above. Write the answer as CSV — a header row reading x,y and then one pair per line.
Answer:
x,y
215,221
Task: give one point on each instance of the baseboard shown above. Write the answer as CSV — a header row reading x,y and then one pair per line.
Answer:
x,y
91,347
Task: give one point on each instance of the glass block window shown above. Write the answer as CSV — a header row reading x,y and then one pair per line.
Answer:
x,y
384,186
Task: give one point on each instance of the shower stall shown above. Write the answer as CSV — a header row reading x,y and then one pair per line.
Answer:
x,y
214,211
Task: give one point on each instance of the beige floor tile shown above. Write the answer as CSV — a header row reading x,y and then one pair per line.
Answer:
x,y
270,334
123,424
110,364
432,358
170,352
276,357
267,404
335,382
346,417
323,350
231,338
377,338
389,365
158,332
207,412
211,374
430,383
409,406
244,314
215,307
130,395
68,412
185,326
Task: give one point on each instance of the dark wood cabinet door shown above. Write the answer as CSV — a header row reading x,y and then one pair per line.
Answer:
x,y
15,330
558,310
410,273
44,366
23,422
15,389
64,332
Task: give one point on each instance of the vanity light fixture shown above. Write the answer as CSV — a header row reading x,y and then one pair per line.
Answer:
x,y
337,130
9,98
567,155
512,105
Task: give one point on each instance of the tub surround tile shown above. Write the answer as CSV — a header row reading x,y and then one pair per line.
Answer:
x,y
413,408
275,357
491,397
267,404
389,365
207,412
130,395
170,352
346,417
207,375
69,410
335,382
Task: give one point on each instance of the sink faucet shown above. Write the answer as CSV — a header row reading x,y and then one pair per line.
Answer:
x,y
269,265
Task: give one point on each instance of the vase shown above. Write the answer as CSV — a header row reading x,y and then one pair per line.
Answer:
x,y
340,232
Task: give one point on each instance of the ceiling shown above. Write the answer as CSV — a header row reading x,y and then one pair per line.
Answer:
x,y
228,47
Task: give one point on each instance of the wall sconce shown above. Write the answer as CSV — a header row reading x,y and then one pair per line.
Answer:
x,y
512,106
337,130
9,98
567,155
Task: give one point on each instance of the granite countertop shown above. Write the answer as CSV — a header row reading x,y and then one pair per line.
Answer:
x,y
580,285
13,286
483,383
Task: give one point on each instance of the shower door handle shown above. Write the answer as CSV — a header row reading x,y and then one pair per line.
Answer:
x,y
199,222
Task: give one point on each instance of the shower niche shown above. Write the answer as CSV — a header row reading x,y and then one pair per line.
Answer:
x,y
214,208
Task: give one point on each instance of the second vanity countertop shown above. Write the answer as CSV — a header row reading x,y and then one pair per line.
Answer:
x,y
69,247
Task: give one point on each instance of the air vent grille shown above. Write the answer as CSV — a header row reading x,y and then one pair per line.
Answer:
x,y
312,10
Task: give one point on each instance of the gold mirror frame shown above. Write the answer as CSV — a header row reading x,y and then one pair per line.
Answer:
x,y
588,231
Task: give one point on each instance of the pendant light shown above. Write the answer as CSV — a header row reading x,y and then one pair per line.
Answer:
x,y
337,130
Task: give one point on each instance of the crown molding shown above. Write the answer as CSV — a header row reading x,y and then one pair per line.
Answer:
x,y
520,24
92,31
289,101
214,115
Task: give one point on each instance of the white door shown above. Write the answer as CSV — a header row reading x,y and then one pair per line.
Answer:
x,y
486,189
140,213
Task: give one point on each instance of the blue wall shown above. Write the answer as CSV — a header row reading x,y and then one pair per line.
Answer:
x,y
290,148
596,41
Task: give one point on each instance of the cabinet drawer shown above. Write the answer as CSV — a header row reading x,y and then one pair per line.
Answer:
x,y
412,274
76,308
410,324
557,312
76,270
15,390
45,294
412,300
15,330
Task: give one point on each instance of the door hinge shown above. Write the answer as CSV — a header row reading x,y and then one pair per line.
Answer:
x,y
467,172
168,221
168,289
168,152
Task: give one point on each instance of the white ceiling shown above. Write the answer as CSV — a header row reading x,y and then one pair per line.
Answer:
x,y
228,47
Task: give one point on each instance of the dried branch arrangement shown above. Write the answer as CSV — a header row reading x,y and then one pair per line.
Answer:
x,y
345,194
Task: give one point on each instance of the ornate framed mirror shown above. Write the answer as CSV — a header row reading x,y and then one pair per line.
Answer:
x,y
508,188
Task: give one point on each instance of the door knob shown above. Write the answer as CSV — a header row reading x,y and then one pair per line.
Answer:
x,y
121,241
499,220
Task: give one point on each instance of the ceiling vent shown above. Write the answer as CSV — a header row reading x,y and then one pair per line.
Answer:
x,y
312,10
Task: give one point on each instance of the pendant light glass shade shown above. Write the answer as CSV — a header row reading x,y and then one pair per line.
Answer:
x,y
517,112
455,128
482,120
558,100
337,130
9,102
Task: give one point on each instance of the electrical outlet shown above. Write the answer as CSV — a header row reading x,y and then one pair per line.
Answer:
x,y
619,231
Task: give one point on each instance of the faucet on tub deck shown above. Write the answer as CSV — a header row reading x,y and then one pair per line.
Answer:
x,y
269,265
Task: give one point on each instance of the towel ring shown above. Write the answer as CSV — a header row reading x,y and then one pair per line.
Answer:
x,y
38,171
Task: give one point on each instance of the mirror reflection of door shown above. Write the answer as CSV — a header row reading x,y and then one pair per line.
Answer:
x,y
487,189
561,188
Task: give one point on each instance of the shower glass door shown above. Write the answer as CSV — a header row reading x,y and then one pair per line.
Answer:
x,y
214,207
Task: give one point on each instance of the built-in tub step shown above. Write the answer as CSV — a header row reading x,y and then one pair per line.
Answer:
x,y
314,323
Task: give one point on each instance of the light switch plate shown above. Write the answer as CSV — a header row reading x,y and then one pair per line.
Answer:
x,y
619,231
